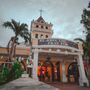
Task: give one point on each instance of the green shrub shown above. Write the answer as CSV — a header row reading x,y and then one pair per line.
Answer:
x,y
4,74
17,70
9,74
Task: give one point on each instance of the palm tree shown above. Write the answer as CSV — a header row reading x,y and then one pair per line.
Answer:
x,y
20,30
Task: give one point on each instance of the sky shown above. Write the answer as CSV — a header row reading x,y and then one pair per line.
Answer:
x,y
65,15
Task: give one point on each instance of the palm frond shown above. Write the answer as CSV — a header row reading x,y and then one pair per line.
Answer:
x,y
19,29
8,25
16,26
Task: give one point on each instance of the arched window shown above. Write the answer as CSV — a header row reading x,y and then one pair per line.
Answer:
x,y
36,35
46,27
37,26
41,36
42,27
46,36
41,21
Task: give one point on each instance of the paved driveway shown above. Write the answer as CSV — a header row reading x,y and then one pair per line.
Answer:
x,y
27,84
69,86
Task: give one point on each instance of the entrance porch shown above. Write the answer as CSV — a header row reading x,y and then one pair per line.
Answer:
x,y
59,65
56,67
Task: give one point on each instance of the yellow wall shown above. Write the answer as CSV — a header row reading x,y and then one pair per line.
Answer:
x,y
19,51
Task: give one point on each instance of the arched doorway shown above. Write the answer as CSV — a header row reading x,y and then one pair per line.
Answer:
x,y
73,72
54,74
49,71
46,70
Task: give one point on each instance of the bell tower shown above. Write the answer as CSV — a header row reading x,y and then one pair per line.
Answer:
x,y
40,29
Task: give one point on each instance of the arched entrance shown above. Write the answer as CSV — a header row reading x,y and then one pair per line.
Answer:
x,y
48,70
49,74
73,72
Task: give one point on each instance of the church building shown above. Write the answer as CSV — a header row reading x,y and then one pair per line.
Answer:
x,y
55,59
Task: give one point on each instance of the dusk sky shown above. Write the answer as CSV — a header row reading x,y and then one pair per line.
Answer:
x,y
65,15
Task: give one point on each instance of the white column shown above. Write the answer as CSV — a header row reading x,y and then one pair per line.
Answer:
x,y
82,79
64,78
35,65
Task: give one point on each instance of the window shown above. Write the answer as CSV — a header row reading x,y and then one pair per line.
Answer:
x,y
46,27
36,35
41,21
37,26
41,36
46,36
41,26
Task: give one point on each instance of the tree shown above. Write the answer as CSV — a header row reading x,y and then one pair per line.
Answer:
x,y
86,23
20,30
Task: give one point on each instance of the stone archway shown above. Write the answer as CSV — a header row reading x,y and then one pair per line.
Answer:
x,y
73,72
49,65
57,66
46,71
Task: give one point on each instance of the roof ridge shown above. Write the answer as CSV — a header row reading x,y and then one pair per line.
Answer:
x,y
40,19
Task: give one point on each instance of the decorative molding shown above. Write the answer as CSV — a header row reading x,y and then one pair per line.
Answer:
x,y
56,46
47,51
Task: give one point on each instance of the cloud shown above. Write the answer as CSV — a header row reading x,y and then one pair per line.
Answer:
x,y
64,14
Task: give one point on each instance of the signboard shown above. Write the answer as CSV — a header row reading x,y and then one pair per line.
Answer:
x,y
61,42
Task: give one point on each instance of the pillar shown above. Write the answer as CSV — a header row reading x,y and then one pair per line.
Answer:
x,y
83,81
35,65
64,78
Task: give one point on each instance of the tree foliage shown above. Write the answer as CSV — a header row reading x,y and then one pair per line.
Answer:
x,y
8,74
86,23
15,72
20,30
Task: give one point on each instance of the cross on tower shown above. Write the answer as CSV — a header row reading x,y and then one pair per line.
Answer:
x,y
41,12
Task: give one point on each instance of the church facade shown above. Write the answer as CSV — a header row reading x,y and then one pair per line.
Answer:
x,y
55,59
